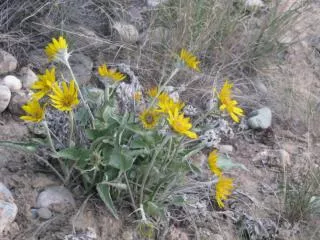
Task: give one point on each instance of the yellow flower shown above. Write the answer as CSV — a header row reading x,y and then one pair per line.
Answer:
x,y
44,84
57,49
35,113
180,124
137,96
166,104
104,71
149,118
212,162
189,59
227,103
152,92
64,99
224,188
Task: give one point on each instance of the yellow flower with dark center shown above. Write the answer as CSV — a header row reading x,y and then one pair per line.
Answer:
x,y
137,96
181,124
65,98
166,104
152,92
224,188
212,162
149,118
227,103
44,84
104,71
35,113
189,59
57,49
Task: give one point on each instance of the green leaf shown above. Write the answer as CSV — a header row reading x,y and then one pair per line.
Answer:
x,y
120,161
226,163
76,154
93,134
154,210
104,194
22,146
135,129
178,200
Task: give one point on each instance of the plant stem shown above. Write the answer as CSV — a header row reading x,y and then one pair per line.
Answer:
x,y
145,177
143,215
45,124
50,166
80,94
62,166
130,192
71,118
173,73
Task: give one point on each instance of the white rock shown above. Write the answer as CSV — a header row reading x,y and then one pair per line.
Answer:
x,y
260,119
8,63
56,198
225,148
12,82
18,99
5,96
27,77
155,3
44,213
8,210
128,32
254,3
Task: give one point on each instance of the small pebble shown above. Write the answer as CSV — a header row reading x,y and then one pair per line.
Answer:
x,y
44,213
56,198
260,119
225,148
27,77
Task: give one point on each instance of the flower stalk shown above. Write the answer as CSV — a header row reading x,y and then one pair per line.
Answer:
x,y
80,93
71,119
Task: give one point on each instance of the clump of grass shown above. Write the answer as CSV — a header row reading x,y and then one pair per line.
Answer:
x,y
302,200
225,33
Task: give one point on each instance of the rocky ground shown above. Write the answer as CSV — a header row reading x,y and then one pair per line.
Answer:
x,y
35,205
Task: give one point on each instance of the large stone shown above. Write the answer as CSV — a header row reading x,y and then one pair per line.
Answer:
x,y
27,77
18,99
8,63
8,209
12,82
5,96
82,68
38,59
260,119
56,198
